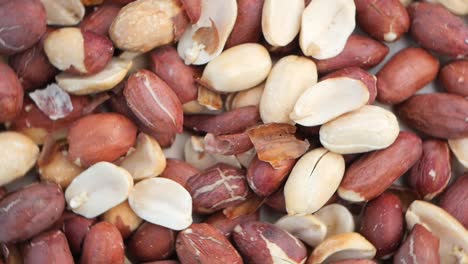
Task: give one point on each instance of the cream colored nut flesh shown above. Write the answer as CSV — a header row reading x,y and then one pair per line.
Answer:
x,y
306,228
64,48
247,98
238,68
281,21
328,100
288,79
162,202
458,7
453,236
209,99
342,247
195,155
194,107
337,218
313,180
122,213
63,12
146,160
98,189
326,26
102,81
143,25
18,154
366,129
139,61
205,40
459,147
59,169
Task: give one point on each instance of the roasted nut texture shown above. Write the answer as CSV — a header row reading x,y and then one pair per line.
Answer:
x,y
103,244
438,114
152,242
453,77
11,94
100,137
202,243
431,174
260,242
29,211
75,229
385,20
49,247
382,223
454,200
407,72
22,22
373,173
421,246
217,188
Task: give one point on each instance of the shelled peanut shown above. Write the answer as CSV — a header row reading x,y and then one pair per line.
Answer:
x,y
236,131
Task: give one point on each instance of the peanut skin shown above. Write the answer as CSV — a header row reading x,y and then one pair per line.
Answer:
x,y
407,72
11,94
49,247
454,77
100,20
359,51
103,244
248,26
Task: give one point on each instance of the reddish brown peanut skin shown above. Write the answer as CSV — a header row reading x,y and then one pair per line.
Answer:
x,y
255,239
455,200
421,246
33,67
406,195
75,229
234,121
382,223
248,26
98,51
154,102
29,211
179,171
193,9
369,80
49,247
373,173
276,201
359,51
100,137
431,174
355,261
385,20
22,22
11,94
163,262
230,144
436,29
100,20
454,77
407,72
119,105
217,187
152,242
437,114
263,179
168,65
3,192
226,225
202,243
103,244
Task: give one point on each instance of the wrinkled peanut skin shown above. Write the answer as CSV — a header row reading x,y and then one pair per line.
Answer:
x,y
202,243
437,114
103,244
454,77
359,51
436,29
421,246
406,73
29,211
11,94
385,20
49,247
152,242
22,23
454,200
382,223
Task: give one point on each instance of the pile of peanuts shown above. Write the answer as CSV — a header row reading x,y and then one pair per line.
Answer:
x,y
233,131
